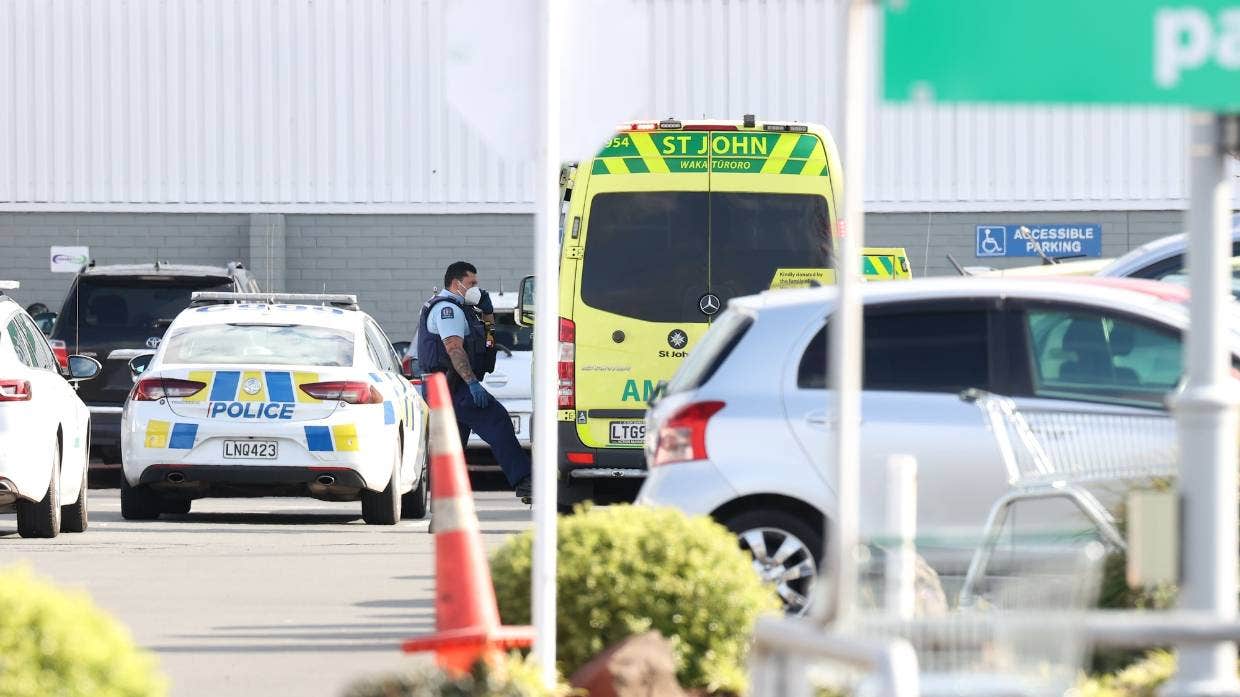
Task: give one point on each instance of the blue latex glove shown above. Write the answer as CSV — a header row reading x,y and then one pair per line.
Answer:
x,y
480,394
484,304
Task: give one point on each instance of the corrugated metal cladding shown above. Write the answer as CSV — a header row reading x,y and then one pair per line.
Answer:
x,y
338,105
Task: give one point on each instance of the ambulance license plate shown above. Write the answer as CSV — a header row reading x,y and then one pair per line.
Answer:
x,y
628,431
250,449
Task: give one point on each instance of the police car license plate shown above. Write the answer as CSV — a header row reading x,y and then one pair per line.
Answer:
x,y
250,449
628,431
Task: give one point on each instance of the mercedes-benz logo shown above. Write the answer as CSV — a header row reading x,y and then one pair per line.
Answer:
x,y
153,342
252,386
709,304
677,339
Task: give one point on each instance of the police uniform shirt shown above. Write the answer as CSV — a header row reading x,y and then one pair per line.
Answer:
x,y
446,319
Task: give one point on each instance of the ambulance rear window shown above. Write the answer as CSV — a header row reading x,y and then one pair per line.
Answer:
x,y
753,235
260,344
646,255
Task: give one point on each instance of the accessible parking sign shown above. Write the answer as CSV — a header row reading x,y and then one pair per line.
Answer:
x,y
1058,240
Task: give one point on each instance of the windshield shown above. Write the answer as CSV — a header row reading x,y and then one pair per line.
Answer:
x,y
261,344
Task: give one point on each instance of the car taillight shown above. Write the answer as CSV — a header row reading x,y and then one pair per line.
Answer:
x,y
155,389
14,391
567,388
683,437
61,350
348,391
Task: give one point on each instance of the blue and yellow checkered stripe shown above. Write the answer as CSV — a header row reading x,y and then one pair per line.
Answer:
x,y
341,438
276,386
173,436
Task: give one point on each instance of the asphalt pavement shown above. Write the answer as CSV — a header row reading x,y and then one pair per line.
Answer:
x,y
258,596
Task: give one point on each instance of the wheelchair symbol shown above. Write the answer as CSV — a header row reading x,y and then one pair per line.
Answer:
x,y
987,245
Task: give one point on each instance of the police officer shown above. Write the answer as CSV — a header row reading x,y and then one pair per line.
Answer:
x,y
452,340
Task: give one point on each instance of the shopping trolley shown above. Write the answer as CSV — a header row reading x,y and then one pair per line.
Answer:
x,y
1057,453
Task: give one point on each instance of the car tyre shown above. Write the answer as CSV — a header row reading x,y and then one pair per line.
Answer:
x,y
383,507
42,518
138,502
176,506
75,517
786,551
415,504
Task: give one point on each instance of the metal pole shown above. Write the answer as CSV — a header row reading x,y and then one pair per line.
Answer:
x,y
901,567
844,362
1206,416
546,336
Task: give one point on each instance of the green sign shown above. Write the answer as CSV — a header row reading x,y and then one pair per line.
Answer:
x,y
1064,51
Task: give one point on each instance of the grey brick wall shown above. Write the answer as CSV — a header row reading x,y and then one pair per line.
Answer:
x,y
393,262
929,237
113,238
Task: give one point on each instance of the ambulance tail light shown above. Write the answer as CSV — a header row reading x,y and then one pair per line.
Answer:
x,y
683,437
155,389
62,352
347,391
14,391
566,390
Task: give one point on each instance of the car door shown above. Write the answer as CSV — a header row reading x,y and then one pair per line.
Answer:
x,y
919,357
1088,360
397,395
53,401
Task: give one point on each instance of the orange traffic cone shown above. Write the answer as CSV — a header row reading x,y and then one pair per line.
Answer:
x,y
466,617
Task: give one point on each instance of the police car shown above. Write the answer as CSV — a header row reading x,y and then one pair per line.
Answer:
x,y
273,395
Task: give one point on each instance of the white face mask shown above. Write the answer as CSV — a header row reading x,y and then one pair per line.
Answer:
x,y
473,295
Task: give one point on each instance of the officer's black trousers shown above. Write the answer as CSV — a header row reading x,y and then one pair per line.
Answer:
x,y
493,425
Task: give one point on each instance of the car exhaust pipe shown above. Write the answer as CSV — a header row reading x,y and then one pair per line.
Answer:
x,y
175,477
325,479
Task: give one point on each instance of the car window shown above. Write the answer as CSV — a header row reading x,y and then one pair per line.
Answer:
x,y
380,349
43,356
512,335
1096,357
132,306
754,235
260,344
930,351
21,344
646,255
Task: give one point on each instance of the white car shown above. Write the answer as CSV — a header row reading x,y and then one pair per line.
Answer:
x,y
44,429
512,380
741,433
274,395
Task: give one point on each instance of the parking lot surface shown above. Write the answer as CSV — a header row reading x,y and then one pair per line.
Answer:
x,y
258,596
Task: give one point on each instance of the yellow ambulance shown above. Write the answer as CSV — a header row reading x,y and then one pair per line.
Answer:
x,y
666,224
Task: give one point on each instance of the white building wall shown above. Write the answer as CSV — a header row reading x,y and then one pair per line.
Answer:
x,y
338,106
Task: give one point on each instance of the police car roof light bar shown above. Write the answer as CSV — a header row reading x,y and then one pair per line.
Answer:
x,y
340,300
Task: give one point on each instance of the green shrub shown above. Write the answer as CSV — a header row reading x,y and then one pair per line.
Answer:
x,y
1141,679
514,677
56,642
624,570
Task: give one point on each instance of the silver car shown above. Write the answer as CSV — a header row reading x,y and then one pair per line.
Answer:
x,y
741,431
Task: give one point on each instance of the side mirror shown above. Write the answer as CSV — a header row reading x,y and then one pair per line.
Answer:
x,y
83,368
525,303
139,364
409,368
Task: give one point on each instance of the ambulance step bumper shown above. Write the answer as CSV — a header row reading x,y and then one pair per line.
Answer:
x,y
607,473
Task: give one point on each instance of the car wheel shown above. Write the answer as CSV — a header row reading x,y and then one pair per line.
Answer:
x,y
176,506
416,503
42,518
138,502
785,551
383,507
74,517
